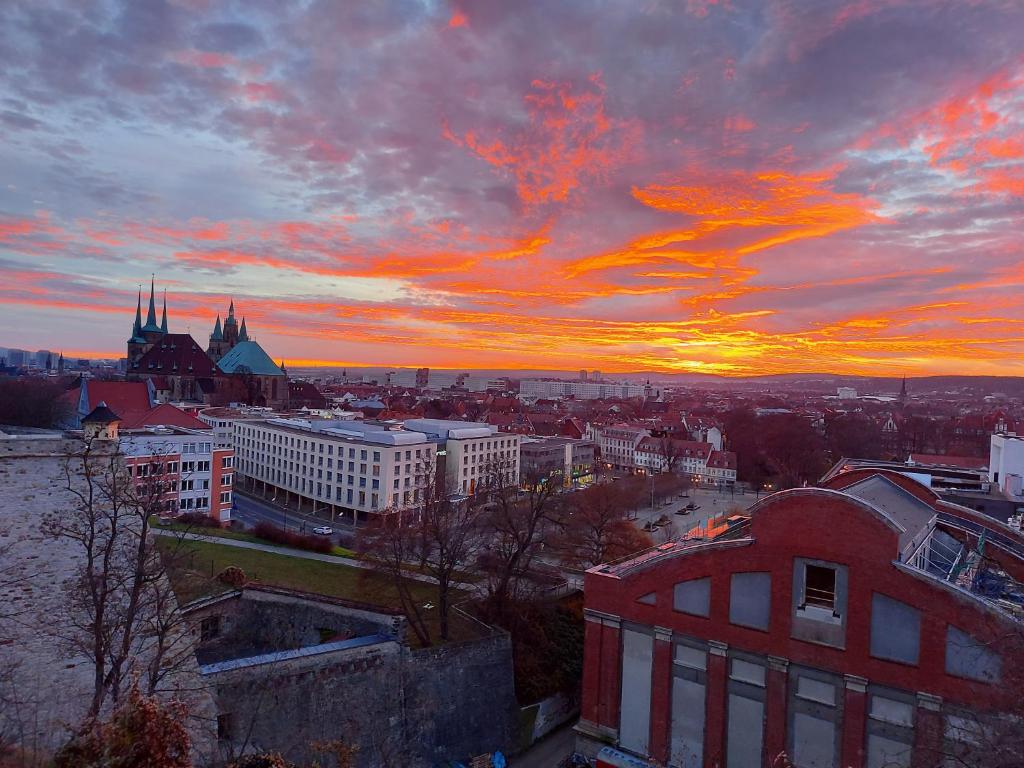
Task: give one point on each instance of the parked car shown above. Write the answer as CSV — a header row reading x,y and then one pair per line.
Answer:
x,y
691,507
323,530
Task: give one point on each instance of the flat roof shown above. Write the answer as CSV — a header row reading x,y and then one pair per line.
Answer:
x,y
350,431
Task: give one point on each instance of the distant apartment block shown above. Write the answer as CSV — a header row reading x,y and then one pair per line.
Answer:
x,y
584,390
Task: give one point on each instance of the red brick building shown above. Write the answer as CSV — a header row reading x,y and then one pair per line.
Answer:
x,y
853,627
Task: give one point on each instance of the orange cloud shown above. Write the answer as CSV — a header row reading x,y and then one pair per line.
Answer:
x,y
570,141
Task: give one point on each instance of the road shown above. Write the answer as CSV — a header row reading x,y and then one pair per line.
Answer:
x,y
251,510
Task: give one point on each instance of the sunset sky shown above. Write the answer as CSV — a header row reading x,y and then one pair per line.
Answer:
x,y
740,186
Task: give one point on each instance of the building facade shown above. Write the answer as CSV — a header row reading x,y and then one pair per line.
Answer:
x,y
471,450
617,446
829,627
584,390
200,474
349,467
572,460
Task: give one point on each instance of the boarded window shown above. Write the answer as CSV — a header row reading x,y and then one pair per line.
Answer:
x,y
814,723
693,596
890,730
967,657
895,630
209,628
745,727
688,703
750,599
635,710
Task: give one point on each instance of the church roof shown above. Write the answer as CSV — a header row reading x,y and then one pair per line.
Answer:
x,y
249,356
176,354
217,334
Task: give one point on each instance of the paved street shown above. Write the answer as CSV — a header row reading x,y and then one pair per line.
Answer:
x,y
251,510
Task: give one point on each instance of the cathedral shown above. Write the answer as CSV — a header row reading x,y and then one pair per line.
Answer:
x,y
233,368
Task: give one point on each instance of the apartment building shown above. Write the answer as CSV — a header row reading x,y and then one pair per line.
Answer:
x,y
354,467
198,474
584,390
571,459
855,625
699,461
617,446
468,450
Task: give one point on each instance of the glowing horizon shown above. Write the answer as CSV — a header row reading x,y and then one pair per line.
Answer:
x,y
717,186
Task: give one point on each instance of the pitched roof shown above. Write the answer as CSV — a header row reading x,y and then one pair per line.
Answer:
x,y
166,415
126,398
101,415
176,354
249,356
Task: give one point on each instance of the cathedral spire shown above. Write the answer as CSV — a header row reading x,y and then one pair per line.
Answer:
x,y
151,326
243,335
163,321
217,334
137,328
231,310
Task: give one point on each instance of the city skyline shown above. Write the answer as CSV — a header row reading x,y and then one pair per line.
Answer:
x,y
704,187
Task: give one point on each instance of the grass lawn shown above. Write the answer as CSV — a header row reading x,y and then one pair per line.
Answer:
x,y
201,561
225,533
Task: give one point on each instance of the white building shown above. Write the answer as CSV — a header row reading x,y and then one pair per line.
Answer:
x,y
700,461
1006,464
846,393
347,466
584,390
617,445
202,472
470,450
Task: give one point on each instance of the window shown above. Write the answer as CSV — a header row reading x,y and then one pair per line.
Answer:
x,y
970,658
224,726
814,717
745,726
689,680
227,462
209,628
225,497
693,596
820,586
635,708
895,630
750,600
228,479
890,731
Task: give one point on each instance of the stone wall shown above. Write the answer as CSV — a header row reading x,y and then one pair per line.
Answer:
x,y
399,706
260,620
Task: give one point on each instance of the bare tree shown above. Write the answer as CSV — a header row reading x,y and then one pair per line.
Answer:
x,y
123,615
440,533
669,453
596,529
516,521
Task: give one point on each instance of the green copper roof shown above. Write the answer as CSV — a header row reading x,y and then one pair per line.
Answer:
x,y
248,355
217,334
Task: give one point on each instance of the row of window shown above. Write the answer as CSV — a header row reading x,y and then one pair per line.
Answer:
x,y
818,614
814,711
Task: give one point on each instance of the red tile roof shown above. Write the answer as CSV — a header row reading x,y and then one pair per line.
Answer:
x,y
125,398
166,415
